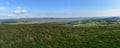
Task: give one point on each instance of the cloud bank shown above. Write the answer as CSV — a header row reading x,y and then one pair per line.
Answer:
x,y
20,12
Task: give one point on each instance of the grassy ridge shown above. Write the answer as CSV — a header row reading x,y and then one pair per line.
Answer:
x,y
54,36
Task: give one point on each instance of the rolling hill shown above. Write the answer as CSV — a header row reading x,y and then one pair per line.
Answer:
x,y
92,21
64,21
41,20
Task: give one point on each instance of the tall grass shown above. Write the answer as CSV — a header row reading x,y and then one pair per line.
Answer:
x,y
55,36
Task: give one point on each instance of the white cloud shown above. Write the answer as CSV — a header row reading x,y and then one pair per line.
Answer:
x,y
17,12
7,15
20,11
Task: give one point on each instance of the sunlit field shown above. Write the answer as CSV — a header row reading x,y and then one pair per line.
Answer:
x,y
55,36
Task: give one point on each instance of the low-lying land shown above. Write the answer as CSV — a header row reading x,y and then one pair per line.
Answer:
x,y
55,36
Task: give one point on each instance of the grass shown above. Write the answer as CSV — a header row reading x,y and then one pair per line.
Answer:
x,y
55,36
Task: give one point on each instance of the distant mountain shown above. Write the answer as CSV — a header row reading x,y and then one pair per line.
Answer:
x,y
40,20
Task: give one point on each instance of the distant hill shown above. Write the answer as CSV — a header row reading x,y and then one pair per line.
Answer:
x,y
110,20
93,21
64,21
40,20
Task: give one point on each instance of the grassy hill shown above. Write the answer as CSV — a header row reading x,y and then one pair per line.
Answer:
x,y
55,36
91,22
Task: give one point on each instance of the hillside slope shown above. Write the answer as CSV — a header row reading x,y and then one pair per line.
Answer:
x,y
54,36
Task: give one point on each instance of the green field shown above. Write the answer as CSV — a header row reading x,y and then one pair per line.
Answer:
x,y
55,36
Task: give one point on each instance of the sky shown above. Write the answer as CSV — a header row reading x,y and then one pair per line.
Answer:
x,y
59,8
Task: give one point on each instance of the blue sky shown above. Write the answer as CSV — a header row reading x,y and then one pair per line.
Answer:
x,y
59,8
